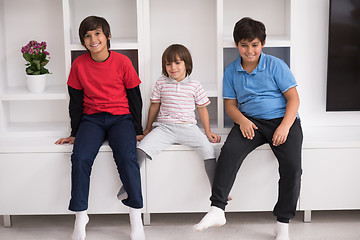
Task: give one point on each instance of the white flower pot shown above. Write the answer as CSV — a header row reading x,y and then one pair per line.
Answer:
x,y
36,83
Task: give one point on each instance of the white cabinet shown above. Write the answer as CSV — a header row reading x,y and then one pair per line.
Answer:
x,y
180,184
174,181
330,179
40,183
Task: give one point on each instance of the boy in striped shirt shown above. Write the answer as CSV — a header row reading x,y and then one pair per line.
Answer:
x,y
171,117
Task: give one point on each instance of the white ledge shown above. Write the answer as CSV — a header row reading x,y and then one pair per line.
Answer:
x,y
314,138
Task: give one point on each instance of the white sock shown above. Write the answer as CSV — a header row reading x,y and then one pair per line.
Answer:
x,y
282,231
122,195
137,228
80,224
214,218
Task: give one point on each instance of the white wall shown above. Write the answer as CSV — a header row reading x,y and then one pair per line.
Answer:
x,y
310,47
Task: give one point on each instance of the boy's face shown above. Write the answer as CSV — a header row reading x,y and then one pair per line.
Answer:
x,y
176,70
95,41
250,51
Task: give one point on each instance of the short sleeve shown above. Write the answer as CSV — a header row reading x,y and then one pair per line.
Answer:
x,y
156,93
228,86
73,80
201,98
131,78
284,77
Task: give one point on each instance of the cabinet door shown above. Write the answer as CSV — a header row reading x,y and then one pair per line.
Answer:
x,y
177,182
40,183
330,179
36,183
256,184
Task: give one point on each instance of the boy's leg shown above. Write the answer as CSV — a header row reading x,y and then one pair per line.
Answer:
x,y
89,138
122,140
158,139
161,137
190,135
289,157
234,151
141,156
210,168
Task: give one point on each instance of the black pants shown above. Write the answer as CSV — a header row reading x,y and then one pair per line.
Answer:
x,y
288,154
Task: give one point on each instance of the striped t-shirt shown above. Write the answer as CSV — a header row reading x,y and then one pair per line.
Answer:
x,y
178,99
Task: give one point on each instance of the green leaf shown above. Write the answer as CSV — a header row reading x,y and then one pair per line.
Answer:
x,y
44,71
27,57
37,64
29,71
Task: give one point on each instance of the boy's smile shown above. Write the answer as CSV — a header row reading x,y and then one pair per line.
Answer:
x,y
96,42
250,51
176,70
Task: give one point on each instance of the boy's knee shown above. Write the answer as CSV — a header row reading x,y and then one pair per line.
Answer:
x,y
228,148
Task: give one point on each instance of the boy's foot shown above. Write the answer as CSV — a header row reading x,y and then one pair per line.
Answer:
x,y
122,194
214,218
282,231
137,228
80,224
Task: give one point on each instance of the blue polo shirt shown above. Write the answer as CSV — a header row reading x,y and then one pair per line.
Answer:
x,y
260,93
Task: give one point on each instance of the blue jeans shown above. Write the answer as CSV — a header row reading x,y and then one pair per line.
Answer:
x,y
120,132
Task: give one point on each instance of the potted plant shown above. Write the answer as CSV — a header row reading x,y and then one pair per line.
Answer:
x,y
37,57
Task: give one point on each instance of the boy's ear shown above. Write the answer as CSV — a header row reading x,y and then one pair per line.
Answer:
x,y
109,37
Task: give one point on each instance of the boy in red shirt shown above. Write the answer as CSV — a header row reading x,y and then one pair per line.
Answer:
x,y
105,103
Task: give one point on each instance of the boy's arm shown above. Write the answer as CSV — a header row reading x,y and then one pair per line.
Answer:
x,y
246,126
153,112
135,106
204,117
75,111
292,107
76,106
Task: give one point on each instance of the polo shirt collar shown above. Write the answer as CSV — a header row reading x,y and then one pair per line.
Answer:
x,y
171,80
260,67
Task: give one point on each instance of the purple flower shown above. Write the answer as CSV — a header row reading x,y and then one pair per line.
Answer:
x,y
35,53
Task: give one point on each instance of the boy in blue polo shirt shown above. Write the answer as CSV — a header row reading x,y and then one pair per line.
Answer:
x,y
260,96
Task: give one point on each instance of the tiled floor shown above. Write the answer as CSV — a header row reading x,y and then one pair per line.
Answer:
x,y
325,225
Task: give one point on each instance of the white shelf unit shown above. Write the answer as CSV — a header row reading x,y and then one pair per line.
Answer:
x,y
144,27
22,112
191,24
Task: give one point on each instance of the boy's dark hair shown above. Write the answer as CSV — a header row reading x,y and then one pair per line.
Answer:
x,y
172,53
91,23
249,29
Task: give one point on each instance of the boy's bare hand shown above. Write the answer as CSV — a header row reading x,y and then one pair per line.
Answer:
x,y
139,137
280,135
65,140
213,137
247,129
